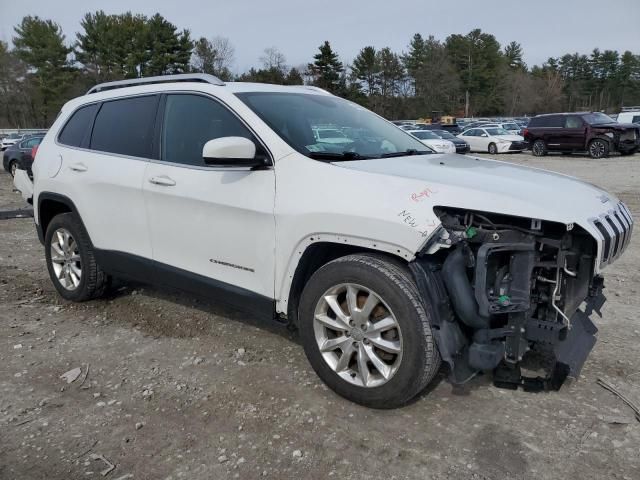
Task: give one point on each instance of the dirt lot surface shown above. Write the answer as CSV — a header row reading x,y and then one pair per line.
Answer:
x,y
179,388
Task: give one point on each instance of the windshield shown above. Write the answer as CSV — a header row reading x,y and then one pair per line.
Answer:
x,y
14,135
425,135
497,131
322,126
444,134
597,118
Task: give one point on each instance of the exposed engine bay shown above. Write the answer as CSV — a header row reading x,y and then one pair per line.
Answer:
x,y
513,284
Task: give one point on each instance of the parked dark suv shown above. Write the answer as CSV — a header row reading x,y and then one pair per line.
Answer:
x,y
595,133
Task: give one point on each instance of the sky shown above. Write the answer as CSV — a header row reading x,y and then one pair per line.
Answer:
x,y
544,28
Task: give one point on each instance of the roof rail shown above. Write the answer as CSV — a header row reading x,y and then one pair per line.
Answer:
x,y
183,77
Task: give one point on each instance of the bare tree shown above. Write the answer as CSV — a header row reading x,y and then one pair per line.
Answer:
x,y
213,56
273,58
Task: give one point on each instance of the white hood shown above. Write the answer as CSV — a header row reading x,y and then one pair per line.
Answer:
x,y
510,138
494,186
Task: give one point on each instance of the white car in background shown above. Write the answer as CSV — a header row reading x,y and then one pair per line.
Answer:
x,y
493,140
11,139
432,140
629,117
511,127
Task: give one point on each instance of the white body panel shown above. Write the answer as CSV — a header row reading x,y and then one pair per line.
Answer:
x,y
263,220
214,222
440,146
23,184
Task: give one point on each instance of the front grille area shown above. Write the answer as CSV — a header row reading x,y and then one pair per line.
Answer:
x,y
629,135
518,146
615,227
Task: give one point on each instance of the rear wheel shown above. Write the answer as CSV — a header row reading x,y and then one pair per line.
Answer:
x,y
598,148
366,333
70,260
539,148
13,166
493,149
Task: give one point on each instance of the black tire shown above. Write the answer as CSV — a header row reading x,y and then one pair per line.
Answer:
x,y
93,281
493,149
598,148
539,148
13,166
394,284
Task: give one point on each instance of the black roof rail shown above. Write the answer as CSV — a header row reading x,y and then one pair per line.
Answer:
x,y
132,82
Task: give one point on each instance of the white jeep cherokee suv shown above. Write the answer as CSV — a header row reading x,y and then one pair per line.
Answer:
x,y
386,257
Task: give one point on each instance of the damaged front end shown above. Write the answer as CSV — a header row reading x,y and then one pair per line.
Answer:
x,y
506,285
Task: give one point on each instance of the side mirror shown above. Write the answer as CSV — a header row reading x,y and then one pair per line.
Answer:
x,y
231,152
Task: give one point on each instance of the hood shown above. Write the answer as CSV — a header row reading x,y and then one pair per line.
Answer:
x,y
615,125
493,186
511,138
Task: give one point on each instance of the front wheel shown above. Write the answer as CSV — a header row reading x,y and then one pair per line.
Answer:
x,y
366,333
598,148
493,149
13,166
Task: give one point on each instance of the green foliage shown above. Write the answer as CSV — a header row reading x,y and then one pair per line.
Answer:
x,y
431,78
39,44
327,70
128,46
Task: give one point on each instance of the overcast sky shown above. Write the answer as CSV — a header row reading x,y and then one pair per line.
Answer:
x,y
297,27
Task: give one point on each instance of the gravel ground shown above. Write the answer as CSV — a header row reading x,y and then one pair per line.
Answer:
x,y
173,387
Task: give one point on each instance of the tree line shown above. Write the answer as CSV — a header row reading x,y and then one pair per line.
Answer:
x,y
463,75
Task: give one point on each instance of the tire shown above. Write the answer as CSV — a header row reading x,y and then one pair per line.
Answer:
x,y
598,148
13,166
396,299
91,281
539,148
493,150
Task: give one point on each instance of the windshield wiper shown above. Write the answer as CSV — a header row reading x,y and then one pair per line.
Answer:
x,y
406,153
337,157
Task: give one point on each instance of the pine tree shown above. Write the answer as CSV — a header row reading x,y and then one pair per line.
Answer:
x,y
366,70
40,45
327,70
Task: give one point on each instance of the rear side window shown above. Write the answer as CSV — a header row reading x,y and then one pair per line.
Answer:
x,y
547,121
75,132
126,126
190,121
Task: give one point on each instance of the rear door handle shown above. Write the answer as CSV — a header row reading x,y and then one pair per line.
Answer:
x,y
163,180
78,167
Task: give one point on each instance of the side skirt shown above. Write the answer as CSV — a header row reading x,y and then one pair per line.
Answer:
x,y
140,269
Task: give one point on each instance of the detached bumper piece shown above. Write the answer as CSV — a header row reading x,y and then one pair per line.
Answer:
x,y
570,353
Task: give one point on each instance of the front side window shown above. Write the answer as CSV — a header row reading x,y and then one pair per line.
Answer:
x,y
190,121
573,122
77,128
299,119
125,126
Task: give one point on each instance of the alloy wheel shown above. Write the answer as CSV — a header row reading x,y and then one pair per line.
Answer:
x,y
13,168
358,335
65,259
597,149
538,148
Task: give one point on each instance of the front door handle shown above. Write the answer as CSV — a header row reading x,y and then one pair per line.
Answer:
x,y
163,180
78,167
